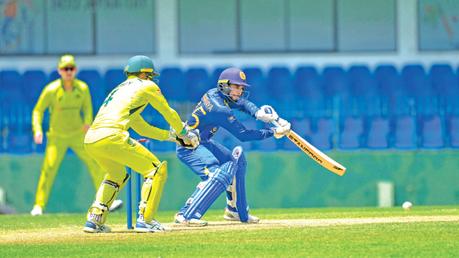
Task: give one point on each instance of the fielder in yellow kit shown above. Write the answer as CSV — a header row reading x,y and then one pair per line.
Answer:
x,y
109,143
66,98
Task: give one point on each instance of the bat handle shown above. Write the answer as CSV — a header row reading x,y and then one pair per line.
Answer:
x,y
275,122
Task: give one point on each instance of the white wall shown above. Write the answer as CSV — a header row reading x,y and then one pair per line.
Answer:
x,y
168,53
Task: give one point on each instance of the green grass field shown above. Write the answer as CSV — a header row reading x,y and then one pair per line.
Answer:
x,y
326,232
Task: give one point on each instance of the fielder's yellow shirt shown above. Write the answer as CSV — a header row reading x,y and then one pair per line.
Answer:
x,y
68,110
122,107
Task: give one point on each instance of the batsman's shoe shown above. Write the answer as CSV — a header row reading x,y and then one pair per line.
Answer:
x,y
116,205
234,216
180,219
36,211
91,227
152,227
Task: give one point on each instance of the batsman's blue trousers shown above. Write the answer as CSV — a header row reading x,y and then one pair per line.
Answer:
x,y
205,159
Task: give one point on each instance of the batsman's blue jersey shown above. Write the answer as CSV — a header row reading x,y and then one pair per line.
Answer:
x,y
215,111
211,113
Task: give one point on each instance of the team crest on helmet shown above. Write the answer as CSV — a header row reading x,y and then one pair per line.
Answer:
x,y
242,75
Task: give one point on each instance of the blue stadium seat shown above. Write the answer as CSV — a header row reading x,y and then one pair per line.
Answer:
x,y
258,88
385,71
96,86
453,131
10,86
54,75
394,98
365,91
419,87
112,78
432,132
303,128
20,141
362,81
322,137
15,113
416,81
307,81
336,88
196,79
280,84
405,132
336,81
305,73
19,131
348,106
390,86
446,85
34,81
309,87
443,78
213,77
3,129
378,133
172,83
413,75
351,133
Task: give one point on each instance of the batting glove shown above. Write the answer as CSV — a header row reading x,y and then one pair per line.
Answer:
x,y
282,128
266,114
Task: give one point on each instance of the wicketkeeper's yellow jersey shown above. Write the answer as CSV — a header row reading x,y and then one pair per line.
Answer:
x,y
122,107
65,108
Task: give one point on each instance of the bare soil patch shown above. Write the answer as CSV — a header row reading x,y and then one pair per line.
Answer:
x,y
74,234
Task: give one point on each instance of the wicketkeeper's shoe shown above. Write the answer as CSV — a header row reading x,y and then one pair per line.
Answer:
x,y
152,227
234,216
36,211
116,205
91,227
180,219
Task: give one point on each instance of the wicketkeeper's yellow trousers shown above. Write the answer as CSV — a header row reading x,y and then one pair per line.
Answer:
x,y
113,154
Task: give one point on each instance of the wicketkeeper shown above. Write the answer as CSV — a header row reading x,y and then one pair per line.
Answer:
x,y
109,143
218,167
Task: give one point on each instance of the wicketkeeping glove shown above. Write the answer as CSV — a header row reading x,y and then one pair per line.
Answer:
x,y
188,140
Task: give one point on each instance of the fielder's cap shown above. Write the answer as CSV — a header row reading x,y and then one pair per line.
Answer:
x,y
66,61
233,76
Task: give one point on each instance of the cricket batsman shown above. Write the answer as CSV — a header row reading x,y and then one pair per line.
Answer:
x,y
66,98
109,143
217,166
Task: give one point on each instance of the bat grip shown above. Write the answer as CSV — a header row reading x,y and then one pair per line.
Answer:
x,y
275,122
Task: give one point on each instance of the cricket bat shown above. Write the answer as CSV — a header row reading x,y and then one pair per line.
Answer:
x,y
318,156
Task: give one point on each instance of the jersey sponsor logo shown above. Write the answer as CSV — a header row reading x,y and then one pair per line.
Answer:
x,y
206,102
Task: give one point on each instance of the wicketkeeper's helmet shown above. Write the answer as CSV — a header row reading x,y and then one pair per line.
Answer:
x,y
141,64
